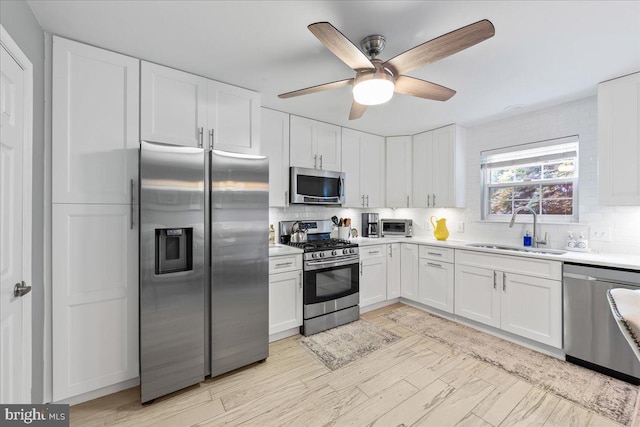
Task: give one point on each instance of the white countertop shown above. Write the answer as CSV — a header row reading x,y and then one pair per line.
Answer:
x,y
606,259
278,250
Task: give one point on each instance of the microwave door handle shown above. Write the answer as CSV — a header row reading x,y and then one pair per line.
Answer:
x,y
341,187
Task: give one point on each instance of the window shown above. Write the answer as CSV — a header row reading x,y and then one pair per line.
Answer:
x,y
542,175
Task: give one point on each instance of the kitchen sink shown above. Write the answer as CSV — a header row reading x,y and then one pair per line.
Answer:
x,y
517,249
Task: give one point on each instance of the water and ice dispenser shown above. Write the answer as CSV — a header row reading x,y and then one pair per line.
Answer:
x,y
174,250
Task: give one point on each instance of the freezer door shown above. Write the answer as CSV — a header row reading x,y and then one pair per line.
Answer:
x,y
239,260
172,308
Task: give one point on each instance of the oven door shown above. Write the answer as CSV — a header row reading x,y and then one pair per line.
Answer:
x,y
329,280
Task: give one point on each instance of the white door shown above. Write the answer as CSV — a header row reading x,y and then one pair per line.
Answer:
x,y
234,116
173,106
532,307
274,143
329,146
285,301
372,176
393,270
95,124
476,294
351,140
398,176
302,147
373,275
436,284
409,271
15,203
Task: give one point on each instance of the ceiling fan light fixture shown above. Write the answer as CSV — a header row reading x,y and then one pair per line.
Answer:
x,y
373,91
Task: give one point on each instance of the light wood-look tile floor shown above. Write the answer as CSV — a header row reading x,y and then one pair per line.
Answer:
x,y
413,382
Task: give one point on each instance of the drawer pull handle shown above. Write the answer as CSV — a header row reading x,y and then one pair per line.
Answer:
x,y
434,253
284,264
434,265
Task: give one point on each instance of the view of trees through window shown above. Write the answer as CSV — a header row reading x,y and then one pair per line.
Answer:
x,y
547,188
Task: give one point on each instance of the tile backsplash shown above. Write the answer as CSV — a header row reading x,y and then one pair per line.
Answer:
x,y
622,223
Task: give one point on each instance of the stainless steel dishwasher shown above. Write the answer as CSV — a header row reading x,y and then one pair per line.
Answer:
x,y
591,336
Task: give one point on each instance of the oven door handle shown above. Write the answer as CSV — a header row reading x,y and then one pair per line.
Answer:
x,y
320,264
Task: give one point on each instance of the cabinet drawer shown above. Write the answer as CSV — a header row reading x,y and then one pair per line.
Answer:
x,y
279,264
512,264
437,254
377,251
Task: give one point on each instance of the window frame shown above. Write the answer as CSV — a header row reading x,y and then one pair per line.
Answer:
x,y
486,185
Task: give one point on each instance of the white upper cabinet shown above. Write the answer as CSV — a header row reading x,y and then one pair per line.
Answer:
x,y
363,164
315,145
94,124
398,176
439,168
173,106
184,109
619,141
234,117
274,144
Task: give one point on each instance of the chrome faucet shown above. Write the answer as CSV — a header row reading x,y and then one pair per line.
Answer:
x,y
535,241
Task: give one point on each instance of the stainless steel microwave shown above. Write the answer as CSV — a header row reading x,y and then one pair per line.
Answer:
x,y
316,187
396,227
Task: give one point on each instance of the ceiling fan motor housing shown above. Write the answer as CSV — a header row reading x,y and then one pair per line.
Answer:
x,y
373,45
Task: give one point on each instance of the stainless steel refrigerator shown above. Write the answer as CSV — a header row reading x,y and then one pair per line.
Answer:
x,y
203,265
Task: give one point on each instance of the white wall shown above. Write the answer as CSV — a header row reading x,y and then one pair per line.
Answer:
x,y
573,118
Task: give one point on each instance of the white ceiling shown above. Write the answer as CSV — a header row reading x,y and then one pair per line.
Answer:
x,y
543,53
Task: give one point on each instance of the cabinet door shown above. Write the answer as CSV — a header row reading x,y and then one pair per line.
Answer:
x,y
234,116
94,297
351,141
329,146
619,141
274,143
173,106
422,146
285,301
409,271
94,124
532,307
436,284
398,176
302,143
393,270
476,294
373,275
442,167
372,174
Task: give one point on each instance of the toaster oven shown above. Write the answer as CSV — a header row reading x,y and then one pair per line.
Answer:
x,y
396,227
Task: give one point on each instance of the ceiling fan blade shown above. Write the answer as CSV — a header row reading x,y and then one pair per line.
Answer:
x,y
340,46
422,89
319,88
357,110
441,47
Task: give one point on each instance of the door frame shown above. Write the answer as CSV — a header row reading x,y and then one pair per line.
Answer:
x,y
27,204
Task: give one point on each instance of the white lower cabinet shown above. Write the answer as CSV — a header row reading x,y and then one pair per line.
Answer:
x,y
393,270
94,297
285,293
373,275
435,278
409,271
491,289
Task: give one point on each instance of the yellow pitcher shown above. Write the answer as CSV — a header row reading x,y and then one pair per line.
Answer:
x,y
439,228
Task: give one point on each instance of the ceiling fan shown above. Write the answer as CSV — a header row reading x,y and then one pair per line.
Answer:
x,y
376,81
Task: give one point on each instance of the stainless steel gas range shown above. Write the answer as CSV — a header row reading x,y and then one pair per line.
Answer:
x,y
331,280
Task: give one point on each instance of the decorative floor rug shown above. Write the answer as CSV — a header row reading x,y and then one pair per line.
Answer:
x,y
604,395
340,346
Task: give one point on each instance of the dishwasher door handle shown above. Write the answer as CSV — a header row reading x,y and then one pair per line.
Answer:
x,y
598,279
579,277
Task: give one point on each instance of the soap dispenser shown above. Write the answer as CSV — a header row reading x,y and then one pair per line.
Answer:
x,y
527,238
571,243
582,243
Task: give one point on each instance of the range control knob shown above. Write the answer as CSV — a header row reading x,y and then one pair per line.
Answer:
x,y
345,251
334,252
314,255
321,254
352,251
